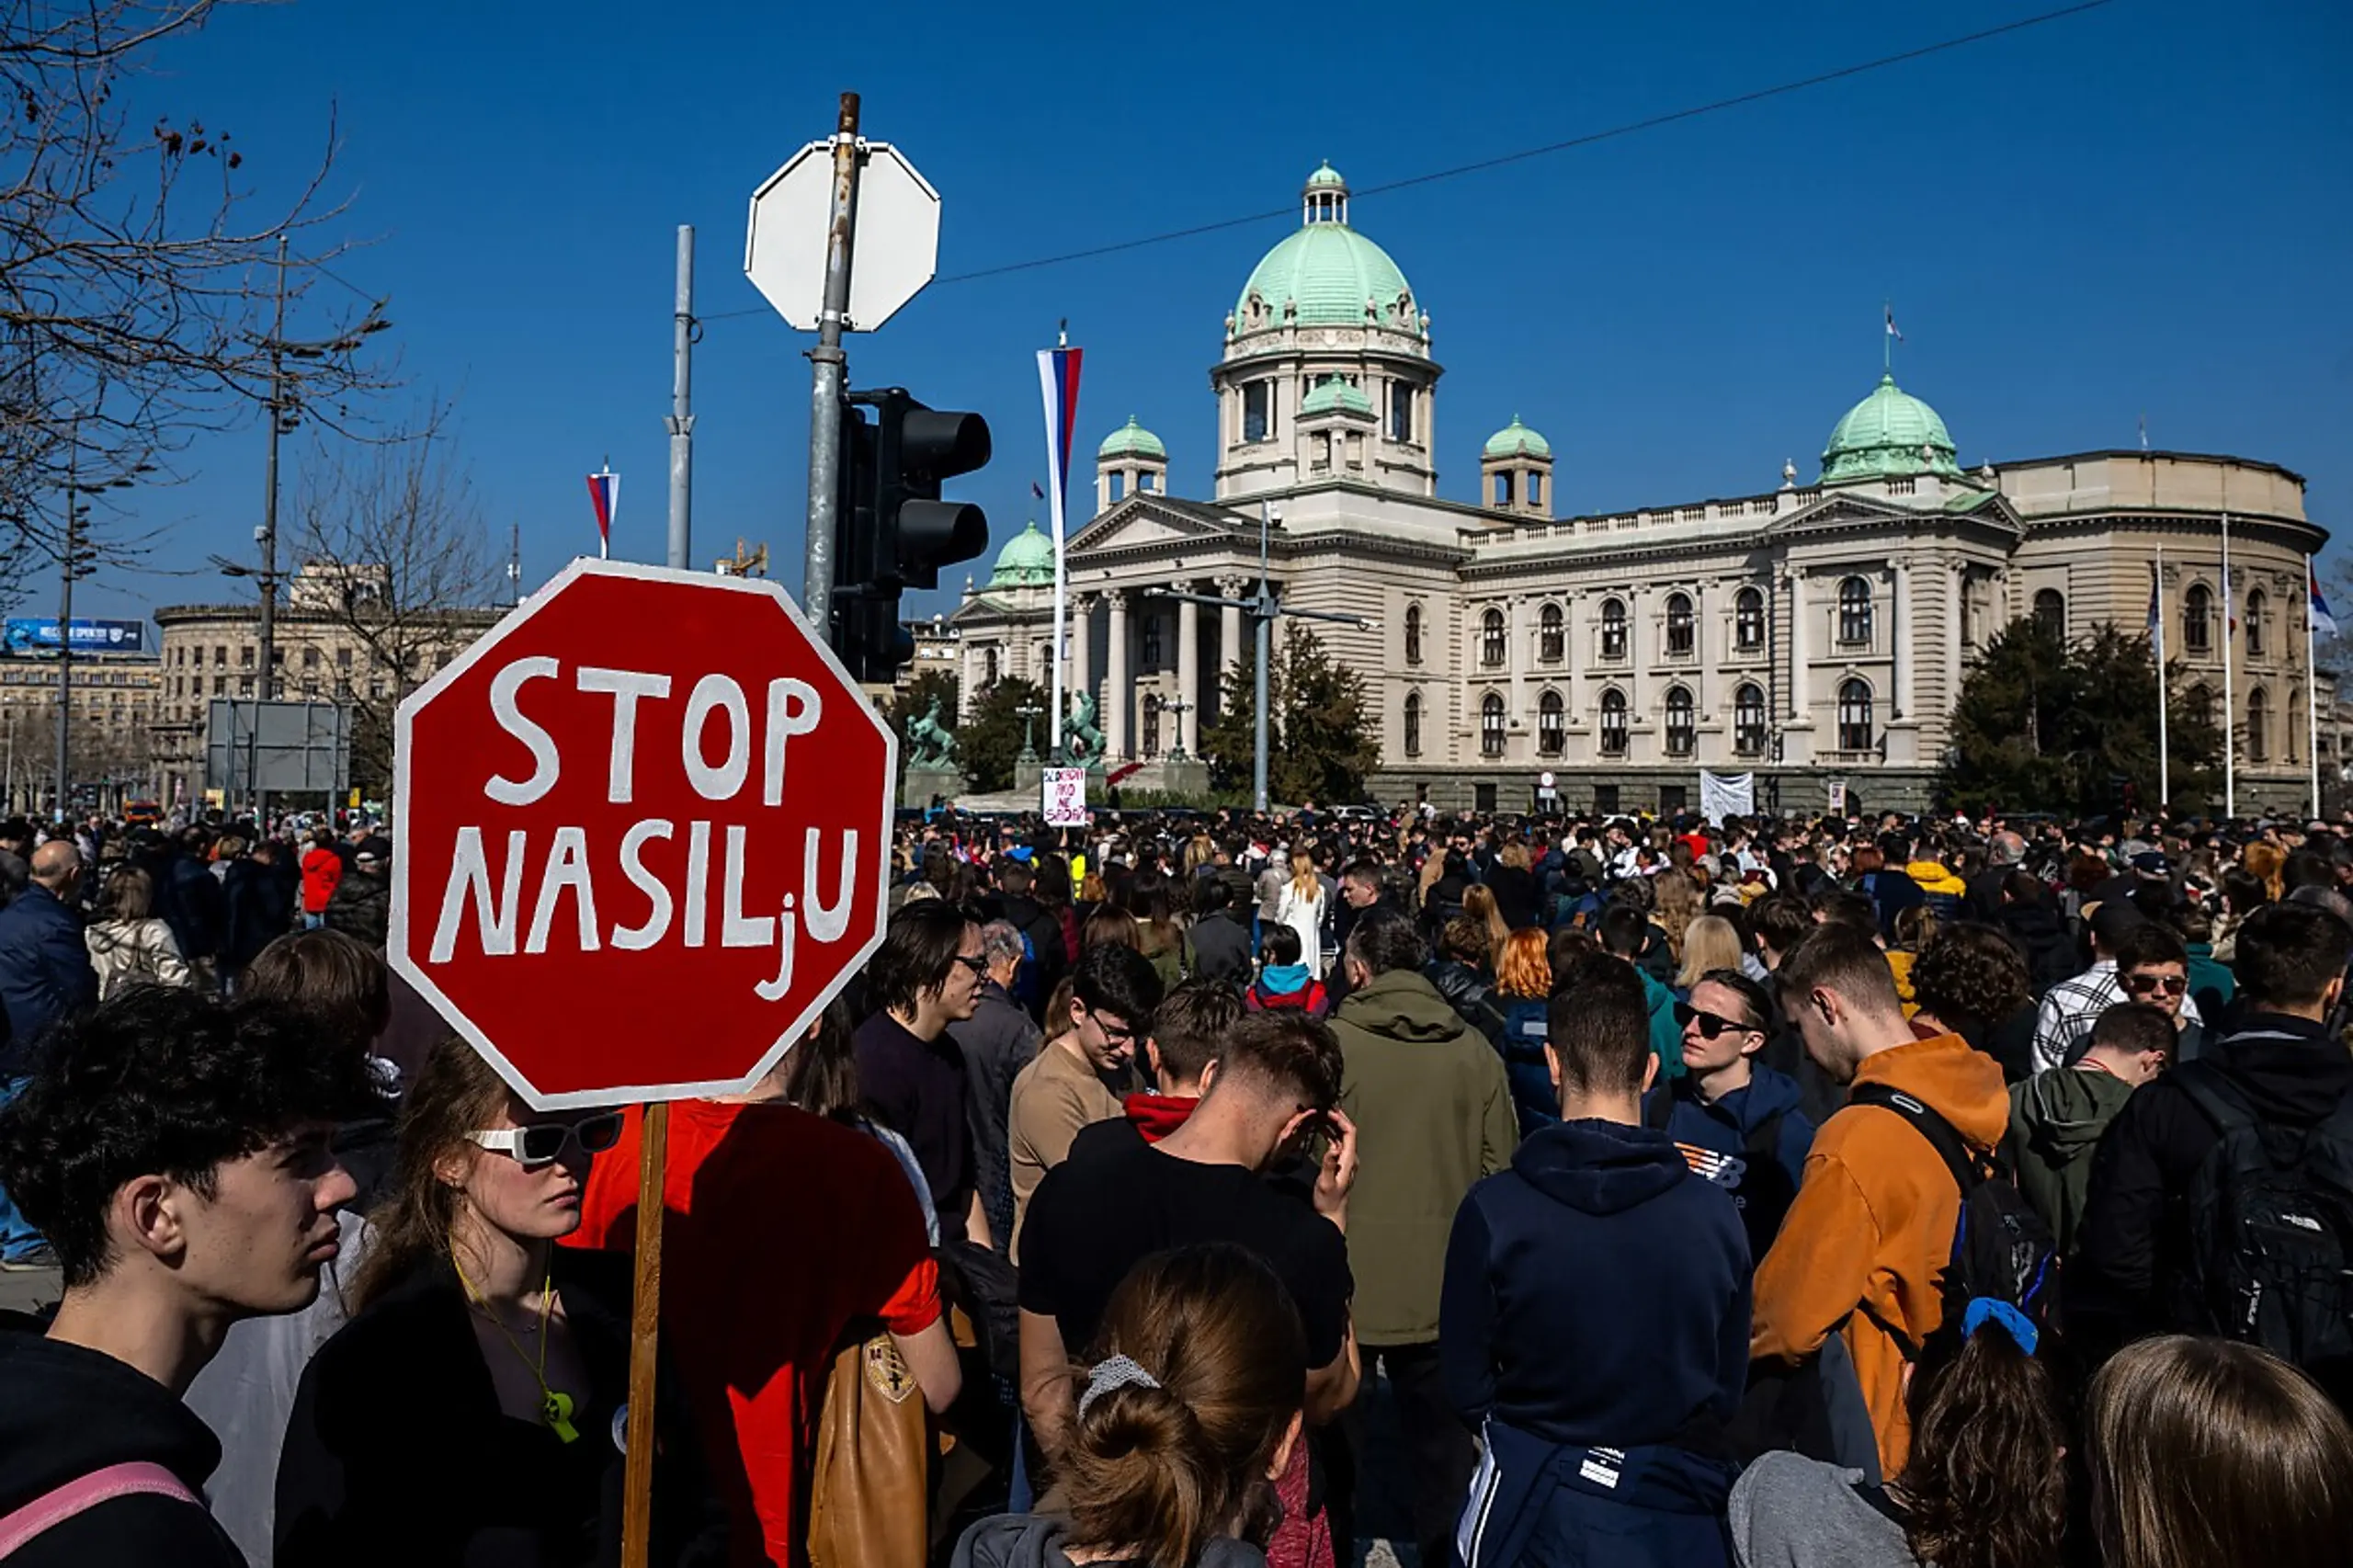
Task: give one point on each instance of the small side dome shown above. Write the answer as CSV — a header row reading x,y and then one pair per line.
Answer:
x,y
1327,177
1334,395
1133,440
1517,441
1889,435
1026,561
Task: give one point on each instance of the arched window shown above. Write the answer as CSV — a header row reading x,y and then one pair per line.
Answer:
x,y
1855,716
2198,618
1413,723
1613,723
1119,486
2051,612
1854,611
1551,635
2258,726
1681,726
1613,628
2257,602
1491,726
988,667
1748,719
2198,702
1681,632
1413,634
1491,639
1748,621
1551,724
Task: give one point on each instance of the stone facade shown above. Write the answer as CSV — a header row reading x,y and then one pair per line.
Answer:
x,y
114,699
1808,633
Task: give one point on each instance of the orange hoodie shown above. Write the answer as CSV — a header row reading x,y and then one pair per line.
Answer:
x,y
1865,1245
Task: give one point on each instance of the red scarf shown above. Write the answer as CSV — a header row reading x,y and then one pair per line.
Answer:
x,y
1157,1116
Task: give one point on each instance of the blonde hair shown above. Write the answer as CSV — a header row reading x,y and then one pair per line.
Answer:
x,y
1304,884
1708,943
2205,1452
1678,906
1479,904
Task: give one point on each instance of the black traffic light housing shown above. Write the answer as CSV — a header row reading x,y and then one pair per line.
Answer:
x,y
893,530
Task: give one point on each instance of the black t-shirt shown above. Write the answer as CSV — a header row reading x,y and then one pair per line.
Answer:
x,y
1115,1203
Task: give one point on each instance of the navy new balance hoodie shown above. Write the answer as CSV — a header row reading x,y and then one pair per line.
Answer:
x,y
1752,1143
1597,1293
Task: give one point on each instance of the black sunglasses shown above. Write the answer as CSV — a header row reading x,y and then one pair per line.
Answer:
x,y
973,961
1711,1024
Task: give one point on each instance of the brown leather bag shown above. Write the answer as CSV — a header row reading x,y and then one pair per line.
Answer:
x,y
871,1483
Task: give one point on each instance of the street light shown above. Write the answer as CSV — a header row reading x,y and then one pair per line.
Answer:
x,y
1265,608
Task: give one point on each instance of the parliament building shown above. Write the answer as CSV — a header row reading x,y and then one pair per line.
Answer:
x,y
1815,634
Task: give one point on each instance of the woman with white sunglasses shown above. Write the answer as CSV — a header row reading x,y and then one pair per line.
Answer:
x,y
473,1410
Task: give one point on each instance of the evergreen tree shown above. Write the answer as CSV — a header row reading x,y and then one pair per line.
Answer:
x,y
989,742
2044,724
1320,744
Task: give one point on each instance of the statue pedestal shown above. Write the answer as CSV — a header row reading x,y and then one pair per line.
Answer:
x,y
924,783
1185,776
1029,777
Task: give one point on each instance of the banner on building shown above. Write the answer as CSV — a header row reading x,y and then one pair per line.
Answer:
x,y
38,635
1065,802
1726,795
1838,797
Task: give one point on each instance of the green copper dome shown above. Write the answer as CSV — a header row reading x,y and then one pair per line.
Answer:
x,y
1334,393
1131,440
1026,561
1889,435
1517,441
1327,270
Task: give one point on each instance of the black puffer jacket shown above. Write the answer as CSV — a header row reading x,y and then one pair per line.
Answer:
x,y
1463,987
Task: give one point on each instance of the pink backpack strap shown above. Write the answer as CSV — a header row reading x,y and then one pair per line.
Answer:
x,y
77,1497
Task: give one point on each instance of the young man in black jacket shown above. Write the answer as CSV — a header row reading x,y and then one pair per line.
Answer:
x,y
177,1155
2141,1254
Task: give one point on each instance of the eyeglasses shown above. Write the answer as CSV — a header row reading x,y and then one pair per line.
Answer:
x,y
973,961
1711,1024
2146,984
1114,1034
540,1143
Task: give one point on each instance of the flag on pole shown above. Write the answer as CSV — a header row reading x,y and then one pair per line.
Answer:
x,y
1037,490
2229,604
1058,382
1892,329
2155,623
605,495
2322,621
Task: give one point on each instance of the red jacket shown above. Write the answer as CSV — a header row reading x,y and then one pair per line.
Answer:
x,y
322,869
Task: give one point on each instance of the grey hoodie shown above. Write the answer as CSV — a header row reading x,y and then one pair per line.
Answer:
x,y
1034,1541
1788,1511
2056,1118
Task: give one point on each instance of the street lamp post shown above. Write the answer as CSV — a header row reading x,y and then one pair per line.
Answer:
x,y
1265,608
1028,713
1179,707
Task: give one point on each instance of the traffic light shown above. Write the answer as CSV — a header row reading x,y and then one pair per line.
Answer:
x,y
893,531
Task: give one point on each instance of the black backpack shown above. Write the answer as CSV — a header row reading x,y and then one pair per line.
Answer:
x,y
2001,1248
2271,1212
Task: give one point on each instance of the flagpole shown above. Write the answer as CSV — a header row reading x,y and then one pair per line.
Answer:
x,y
2165,697
2230,697
2312,689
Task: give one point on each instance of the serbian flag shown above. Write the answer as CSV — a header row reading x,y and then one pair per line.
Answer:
x,y
605,495
1058,382
1892,329
2322,621
2156,622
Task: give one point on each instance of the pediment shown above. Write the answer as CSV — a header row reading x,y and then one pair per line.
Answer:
x,y
1143,521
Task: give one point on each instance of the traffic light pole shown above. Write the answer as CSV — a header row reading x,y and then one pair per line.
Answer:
x,y
681,422
829,379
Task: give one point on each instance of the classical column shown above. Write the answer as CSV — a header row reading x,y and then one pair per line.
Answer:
x,y
1082,644
1188,671
1956,607
1117,695
1801,701
1515,636
1901,645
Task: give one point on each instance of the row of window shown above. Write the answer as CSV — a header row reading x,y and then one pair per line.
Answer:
x,y
1258,409
1751,730
247,657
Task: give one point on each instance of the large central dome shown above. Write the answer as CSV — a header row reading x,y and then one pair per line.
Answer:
x,y
1326,271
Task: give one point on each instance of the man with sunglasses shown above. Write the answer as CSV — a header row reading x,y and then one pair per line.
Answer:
x,y
1737,1121
2123,941
2153,966
1080,1075
926,975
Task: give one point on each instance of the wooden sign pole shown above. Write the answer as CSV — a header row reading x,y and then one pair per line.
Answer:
x,y
645,1334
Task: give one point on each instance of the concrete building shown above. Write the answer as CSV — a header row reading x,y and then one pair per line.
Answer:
x,y
114,699
1811,632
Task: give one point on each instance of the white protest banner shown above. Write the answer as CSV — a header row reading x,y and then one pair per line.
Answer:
x,y
1726,795
1066,802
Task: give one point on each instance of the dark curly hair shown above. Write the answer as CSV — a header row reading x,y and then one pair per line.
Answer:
x,y
160,1081
1971,973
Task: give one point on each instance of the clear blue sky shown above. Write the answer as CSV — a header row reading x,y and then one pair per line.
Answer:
x,y
2144,210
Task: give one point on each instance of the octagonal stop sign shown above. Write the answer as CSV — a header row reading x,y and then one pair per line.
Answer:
x,y
643,836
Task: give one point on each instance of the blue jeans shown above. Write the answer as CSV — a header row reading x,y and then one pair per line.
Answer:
x,y
17,1239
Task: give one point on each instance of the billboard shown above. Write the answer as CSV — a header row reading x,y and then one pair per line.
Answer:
x,y
283,747
39,636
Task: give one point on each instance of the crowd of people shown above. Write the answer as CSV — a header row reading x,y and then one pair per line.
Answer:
x,y
1227,1190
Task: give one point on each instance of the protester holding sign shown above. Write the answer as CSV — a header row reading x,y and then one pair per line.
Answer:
x,y
470,1412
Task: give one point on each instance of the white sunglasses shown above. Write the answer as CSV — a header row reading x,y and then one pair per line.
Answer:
x,y
540,1143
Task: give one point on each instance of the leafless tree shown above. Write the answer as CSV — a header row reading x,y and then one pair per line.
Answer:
x,y
139,268
396,565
